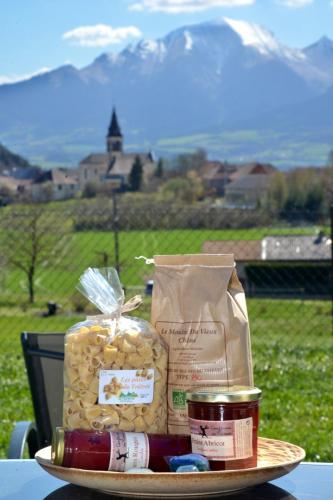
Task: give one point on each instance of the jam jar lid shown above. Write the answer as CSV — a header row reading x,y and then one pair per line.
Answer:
x,y
236,394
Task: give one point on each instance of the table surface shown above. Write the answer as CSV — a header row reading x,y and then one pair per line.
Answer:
x,y
26,480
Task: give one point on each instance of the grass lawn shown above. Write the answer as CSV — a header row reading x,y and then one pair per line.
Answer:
x,y
294,369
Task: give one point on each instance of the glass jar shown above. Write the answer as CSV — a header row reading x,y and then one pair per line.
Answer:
x,y
224,426
116,451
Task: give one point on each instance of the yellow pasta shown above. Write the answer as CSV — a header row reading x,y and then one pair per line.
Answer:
x,y
92,412
133,337
93,386
127,346
74,420
92,350
120,359
134,360
129,413
89,397
110,353
145,351
139,424
72,376
109,421
141,410
107,345
85,373
125,425
149,418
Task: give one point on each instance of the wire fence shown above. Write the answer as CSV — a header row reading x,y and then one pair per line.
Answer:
x,y
283,260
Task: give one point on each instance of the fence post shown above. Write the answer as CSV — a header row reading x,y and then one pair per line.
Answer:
x,y
331,280
115,226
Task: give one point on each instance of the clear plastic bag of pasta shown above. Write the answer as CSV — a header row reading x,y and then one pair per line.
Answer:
x,y
115,369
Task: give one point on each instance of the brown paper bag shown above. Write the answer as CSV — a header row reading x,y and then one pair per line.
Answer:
x,y
199,309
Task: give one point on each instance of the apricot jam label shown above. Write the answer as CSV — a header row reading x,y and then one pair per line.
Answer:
x,y
128,450
222,440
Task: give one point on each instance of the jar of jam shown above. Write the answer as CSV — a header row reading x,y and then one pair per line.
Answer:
x,y
224,426
116,451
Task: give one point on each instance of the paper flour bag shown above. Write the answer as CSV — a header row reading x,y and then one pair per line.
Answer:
x,y
199,309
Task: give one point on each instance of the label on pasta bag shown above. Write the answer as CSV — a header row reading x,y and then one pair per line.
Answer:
x,y
126,386
128,450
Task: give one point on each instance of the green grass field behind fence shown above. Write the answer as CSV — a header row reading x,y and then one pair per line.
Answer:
x,y
56,280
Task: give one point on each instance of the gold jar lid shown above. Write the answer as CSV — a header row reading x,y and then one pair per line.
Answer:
x,y
58,446
236,394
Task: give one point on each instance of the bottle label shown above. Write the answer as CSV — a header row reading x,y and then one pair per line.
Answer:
x,y
129,387
128,450
222,440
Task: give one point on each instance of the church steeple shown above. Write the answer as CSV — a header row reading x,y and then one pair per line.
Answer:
x,y
114,139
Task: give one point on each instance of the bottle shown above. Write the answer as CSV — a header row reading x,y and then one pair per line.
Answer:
x,y
116,451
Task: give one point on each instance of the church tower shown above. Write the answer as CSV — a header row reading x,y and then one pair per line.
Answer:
x,y
114,139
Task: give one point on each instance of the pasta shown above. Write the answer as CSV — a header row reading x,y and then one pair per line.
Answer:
x,y
96,345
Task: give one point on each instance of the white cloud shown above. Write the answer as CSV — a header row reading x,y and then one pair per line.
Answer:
x,y
295,3
20,78
100,35
177,6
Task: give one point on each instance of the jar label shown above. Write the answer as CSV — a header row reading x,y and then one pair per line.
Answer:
x,y
128,450
129,387
222,440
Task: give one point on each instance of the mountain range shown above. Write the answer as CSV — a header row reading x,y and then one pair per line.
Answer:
x,y
226,85
9,160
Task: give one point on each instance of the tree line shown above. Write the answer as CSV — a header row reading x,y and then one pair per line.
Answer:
x,y
303,189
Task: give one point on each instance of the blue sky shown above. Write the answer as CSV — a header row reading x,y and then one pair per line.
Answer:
x,y
40,34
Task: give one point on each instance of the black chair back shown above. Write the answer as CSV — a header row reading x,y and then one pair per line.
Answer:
x,y
44,360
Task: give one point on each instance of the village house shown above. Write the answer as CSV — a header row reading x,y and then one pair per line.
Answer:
x,y
114,166
216,175
11,188
56,184
280,266
17,181
248,185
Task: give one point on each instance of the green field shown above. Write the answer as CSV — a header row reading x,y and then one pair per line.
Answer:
x,y
294,370
57,280
282,149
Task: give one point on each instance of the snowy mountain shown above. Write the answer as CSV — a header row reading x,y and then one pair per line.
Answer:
x,y
320,54
205,78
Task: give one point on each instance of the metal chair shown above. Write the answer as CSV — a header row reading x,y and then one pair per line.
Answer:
x,y
44,360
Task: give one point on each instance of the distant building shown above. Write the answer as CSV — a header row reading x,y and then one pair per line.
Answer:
x,y
16,187
248,184
274,248
20,173
280,266
296,248
55,184
114,166
244,251
18,180
216,175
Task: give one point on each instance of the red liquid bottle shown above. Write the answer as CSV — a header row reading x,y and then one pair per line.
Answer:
x,y
116,451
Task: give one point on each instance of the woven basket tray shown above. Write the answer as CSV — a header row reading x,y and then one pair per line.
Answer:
x,y
275,458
